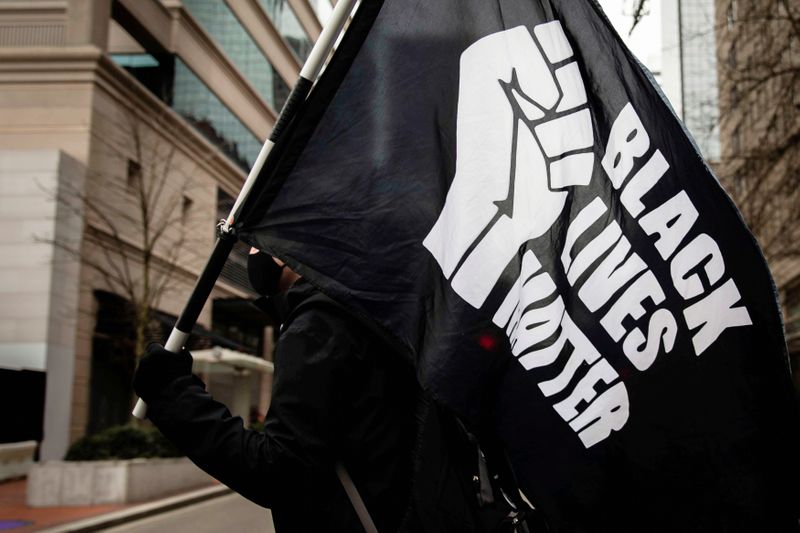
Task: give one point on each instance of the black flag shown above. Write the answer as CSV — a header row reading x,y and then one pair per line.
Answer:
x,y
502,190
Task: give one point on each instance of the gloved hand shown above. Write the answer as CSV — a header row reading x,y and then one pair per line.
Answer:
x,y
158,368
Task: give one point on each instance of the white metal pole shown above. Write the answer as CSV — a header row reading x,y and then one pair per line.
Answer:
x,y
308,75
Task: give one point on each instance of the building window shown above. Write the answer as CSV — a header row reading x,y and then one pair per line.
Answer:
x,y
152,68
134,177
112,363
186,209
223,26
201,107
288,26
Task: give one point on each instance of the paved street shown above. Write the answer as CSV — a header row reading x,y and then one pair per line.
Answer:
x,y
227,513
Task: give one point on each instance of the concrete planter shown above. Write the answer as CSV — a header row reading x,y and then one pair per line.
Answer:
x,y
16,459
66,483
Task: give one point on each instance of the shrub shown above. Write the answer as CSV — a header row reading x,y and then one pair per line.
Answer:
x,y
122,442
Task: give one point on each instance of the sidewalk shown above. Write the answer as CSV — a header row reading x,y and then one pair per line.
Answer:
x,y
17,517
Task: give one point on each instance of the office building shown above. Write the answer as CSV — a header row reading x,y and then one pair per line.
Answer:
x,y
758,45
97,98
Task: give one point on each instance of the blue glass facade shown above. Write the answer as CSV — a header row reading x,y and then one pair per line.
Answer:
x,y
223,26
286,23
197,104
172,81
133,61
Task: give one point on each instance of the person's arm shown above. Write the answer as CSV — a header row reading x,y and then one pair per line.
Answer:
x,y
299,430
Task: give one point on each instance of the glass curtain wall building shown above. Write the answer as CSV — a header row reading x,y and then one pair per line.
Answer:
x,y
180,94
195,101
690,69
286,23
219,21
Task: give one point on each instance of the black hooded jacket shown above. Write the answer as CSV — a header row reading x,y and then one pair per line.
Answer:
x,y
339,394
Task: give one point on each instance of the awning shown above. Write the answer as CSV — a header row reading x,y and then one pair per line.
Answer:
x,y
225,360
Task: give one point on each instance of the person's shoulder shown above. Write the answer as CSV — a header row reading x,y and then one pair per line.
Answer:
x,y
309,301
320,321
314,313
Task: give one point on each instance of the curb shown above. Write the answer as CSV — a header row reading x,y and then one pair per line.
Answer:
x,y
105,521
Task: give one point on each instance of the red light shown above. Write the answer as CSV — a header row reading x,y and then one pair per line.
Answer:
x,y
487,342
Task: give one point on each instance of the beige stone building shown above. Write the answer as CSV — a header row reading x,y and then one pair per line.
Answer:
x,y
758,44
97,97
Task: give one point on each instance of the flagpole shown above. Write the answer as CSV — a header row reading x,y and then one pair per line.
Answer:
x,y
224,244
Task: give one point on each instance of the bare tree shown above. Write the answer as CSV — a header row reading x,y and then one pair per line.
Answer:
x,y
758,59
758,67
639,10
138,215
759,80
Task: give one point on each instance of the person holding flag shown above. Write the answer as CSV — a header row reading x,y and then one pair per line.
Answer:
x,y
500,190
341,398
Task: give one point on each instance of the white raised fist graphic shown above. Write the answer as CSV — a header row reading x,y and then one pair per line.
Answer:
x,y
524,134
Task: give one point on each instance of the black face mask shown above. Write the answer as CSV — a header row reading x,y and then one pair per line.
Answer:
x,y
264,273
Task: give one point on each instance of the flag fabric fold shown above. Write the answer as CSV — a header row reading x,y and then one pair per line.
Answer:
x,y
499,188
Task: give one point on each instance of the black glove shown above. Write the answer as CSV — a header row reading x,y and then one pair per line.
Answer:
x,y
158,368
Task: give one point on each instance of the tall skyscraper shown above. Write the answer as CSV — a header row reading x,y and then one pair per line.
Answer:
x,y
689,69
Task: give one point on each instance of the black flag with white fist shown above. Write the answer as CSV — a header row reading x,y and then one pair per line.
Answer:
x,y
500,189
